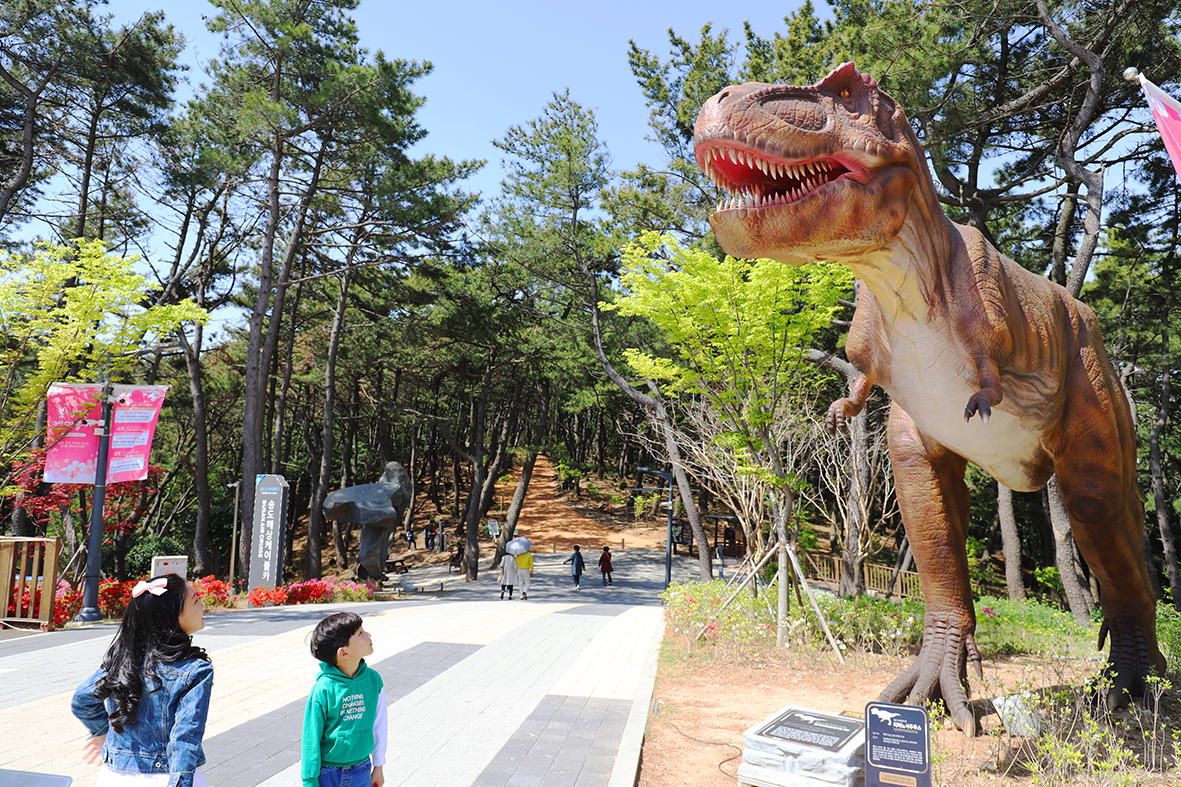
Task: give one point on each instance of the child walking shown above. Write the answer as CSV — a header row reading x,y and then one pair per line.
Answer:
x,y
147,704
344,722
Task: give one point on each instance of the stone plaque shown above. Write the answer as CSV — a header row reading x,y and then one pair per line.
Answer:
x,y
821,730
897,745
270,531
798,747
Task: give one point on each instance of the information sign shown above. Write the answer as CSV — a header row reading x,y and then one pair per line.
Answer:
x,y
270,531
897,746
818,730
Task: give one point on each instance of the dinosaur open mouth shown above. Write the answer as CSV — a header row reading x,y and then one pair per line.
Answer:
x,y
756,180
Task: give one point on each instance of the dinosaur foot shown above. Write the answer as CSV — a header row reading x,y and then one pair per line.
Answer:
x,y
940,671
1134,658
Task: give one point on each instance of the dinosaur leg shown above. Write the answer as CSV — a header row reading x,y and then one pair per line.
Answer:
x,y
1096,474
929,482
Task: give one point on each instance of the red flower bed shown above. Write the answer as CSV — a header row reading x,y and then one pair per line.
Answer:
x,y
267,597
114,596
214,592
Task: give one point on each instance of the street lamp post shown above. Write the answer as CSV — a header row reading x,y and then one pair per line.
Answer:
x,y
233,533
94,557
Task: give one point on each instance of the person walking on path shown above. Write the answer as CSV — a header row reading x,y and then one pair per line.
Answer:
x,y
508,575
344,721
147,704
605,565
577,565
524,572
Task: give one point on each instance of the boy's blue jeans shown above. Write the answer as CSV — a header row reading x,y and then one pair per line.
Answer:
x,y
351,776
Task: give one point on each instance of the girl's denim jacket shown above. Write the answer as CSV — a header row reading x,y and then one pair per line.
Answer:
x,y
169,725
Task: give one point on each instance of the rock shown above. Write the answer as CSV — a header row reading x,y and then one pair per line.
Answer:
x,y
377,509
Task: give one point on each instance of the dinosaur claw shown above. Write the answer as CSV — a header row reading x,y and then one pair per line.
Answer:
x,y
966,721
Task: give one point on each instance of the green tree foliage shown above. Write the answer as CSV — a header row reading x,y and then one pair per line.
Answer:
x,y
69,314
739,332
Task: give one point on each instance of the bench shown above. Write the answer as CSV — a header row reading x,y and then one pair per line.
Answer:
x,y
397,566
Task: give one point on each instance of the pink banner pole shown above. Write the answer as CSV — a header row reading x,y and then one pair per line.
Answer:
x,y
90,611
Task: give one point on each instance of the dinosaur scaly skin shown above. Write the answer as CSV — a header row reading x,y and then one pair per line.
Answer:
x,y
951,329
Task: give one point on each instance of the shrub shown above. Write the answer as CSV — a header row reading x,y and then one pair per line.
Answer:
x,y
1030,626
1168,632
267,597
351,590
67,602
139,557
314,591
114,596
214,592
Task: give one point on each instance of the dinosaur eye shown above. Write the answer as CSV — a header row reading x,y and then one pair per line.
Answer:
x,y
844,94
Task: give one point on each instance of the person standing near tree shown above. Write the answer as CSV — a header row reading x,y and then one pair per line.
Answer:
x,y
577,566
605,565
508,575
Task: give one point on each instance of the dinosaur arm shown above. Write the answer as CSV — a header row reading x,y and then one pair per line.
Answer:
x,y
990,393
850,406
986,319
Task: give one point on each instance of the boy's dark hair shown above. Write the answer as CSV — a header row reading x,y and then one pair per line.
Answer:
x,y
333,633
577,548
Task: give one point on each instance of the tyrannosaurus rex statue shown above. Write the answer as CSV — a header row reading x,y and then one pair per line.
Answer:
x,y
951,329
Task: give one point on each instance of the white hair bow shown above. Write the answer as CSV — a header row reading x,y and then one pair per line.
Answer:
x,y
156,587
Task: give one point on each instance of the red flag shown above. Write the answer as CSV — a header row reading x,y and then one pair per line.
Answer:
x,y
1166,111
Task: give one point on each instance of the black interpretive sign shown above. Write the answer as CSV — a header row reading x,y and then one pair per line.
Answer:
x,y
270,531
897,746
818,730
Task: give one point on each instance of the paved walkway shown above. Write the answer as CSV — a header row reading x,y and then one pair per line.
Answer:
x,y
553,691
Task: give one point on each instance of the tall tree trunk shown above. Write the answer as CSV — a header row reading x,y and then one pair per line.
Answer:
x,y
1074,582
278,455
1158,481
20,177
852,581
192,353
658,415
540,424
1010,543
347,469
316,509
260,348
475,457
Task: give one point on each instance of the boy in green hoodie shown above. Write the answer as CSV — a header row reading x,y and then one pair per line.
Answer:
x,y
344,723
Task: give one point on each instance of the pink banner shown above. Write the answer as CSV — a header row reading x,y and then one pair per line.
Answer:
x,y
73,413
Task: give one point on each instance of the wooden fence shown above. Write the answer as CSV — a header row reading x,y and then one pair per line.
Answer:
x,y
877,577
28,580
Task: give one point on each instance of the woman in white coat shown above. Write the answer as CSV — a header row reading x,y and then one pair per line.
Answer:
x,y
508,575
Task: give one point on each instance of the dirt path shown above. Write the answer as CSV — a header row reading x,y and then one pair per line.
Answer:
x,y
550,517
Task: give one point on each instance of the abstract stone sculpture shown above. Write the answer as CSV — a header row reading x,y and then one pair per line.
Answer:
x,y
377,508
951,329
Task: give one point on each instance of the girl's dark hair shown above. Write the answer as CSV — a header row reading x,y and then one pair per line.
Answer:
x,y
333,633
150,634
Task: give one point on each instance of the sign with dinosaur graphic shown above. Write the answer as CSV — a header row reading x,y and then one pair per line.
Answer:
x,y
897,745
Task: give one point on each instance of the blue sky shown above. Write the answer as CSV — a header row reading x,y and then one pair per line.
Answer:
x,y
498,64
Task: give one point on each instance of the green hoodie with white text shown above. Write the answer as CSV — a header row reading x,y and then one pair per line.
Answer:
x,y
344,722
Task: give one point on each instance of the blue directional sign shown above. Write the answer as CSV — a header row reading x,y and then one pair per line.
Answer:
x,y
897,746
